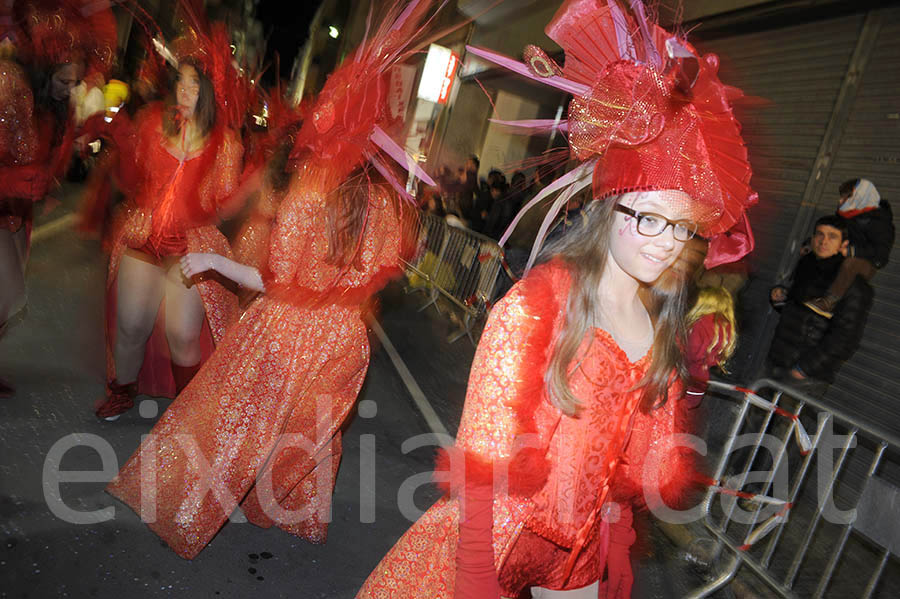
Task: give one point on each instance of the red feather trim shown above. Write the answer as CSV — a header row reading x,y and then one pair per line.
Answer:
x,y
543,290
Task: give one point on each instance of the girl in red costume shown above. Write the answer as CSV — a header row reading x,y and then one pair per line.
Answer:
x,y
260,425
186,164
56,42
569,421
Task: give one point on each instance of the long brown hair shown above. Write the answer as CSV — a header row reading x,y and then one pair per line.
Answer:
x,y
204,113
347,210
585,250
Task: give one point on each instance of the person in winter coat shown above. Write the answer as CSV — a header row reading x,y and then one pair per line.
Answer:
x,y
870,228
807,346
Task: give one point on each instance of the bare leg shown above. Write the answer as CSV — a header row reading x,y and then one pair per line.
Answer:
x,y
141,287
184,318
12,272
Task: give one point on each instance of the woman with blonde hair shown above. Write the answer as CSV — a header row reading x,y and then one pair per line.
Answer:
x,y
712,338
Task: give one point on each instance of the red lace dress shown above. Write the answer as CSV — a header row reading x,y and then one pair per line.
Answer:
x,y
263,415
555,467
172,211
31,151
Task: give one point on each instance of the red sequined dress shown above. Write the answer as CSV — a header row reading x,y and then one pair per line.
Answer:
x,y
263,415
172,210
556,466
32,152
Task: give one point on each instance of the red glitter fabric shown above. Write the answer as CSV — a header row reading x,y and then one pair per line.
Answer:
x,y
265,412
33,153
171,211
534,530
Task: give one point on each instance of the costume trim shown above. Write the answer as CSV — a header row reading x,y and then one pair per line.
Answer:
x,y
529,468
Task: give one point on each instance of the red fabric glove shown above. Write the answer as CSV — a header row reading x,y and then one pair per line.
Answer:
x,y
476,575
619,577
694,392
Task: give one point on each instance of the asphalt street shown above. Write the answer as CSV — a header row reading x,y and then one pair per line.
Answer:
x,y
54,355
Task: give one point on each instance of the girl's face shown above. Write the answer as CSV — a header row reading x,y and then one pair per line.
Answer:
x,y
63,80
641,257
187,89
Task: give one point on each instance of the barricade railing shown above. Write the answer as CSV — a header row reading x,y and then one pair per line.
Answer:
x,y
457,264
804,521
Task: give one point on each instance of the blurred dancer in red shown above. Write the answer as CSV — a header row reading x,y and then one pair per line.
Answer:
x,y
185,167
259,427
570,415
46,47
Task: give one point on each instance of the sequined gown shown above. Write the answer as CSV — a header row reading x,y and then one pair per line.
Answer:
x,y
555,478
264,413
32,152
170,211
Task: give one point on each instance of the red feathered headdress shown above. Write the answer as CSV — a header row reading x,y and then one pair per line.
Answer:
x,y
209,46
346,123
57,32
648,113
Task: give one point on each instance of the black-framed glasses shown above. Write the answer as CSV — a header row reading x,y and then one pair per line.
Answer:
x,y
650,224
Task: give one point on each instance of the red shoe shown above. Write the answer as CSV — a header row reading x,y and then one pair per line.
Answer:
x,y
119,399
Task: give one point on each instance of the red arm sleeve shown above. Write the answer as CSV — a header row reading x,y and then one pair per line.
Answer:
x,y
476,576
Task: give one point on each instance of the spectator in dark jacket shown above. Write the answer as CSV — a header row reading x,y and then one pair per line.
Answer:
x,y
808,347
871,233
484,199
503,209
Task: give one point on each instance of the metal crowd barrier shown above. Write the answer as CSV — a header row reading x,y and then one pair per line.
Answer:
x,y
457,264
824,519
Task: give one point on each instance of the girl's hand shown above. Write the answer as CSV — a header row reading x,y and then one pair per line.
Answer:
x,y
196,263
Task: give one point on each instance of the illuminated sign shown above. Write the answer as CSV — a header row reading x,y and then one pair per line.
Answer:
x,y
437,78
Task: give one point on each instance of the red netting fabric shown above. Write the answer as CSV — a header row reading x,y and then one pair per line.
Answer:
x,y
657,117
652,136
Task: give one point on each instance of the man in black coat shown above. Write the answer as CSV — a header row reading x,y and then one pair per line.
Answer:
x,y
809,348
870,229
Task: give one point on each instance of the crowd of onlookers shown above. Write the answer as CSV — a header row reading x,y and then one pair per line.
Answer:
x,y
485,205
823,306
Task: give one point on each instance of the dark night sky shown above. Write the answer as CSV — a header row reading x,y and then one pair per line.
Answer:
x,y
286,23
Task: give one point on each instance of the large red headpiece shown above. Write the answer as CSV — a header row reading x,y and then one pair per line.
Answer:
x,y
208,46
651,134
647,113
656,117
